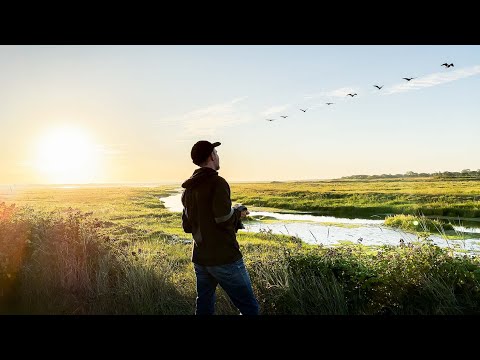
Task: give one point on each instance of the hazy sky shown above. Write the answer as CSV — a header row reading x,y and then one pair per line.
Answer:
x,y
99,113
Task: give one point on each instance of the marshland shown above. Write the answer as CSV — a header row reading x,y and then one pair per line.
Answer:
x,y
121,250
108,132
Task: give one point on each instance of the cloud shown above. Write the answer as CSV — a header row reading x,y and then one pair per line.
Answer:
x,y
217,109
335,95
433,80
339,93
316,106
275,110
207,121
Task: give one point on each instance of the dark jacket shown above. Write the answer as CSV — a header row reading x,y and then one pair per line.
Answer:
x,y
208,215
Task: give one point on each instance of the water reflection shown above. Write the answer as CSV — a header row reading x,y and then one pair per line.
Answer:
x,y
320,230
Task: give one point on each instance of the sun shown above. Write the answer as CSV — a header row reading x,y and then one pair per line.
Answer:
x,y
66,155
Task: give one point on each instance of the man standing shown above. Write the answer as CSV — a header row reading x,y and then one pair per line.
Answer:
x,y
208,215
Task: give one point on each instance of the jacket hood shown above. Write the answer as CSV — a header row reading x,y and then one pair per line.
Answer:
x,y
198,177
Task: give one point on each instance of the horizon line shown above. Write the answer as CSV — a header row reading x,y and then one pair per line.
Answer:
x,y
152,182
174,182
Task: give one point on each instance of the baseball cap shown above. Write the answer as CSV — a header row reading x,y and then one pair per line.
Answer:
x,y
201,150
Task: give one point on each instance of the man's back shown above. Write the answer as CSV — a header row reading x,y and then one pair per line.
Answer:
x,y
209,216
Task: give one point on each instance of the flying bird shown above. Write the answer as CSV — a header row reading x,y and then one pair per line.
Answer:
x,y
378,87
304,110
447,65
270,119
408,79
352,95
284,116
329,103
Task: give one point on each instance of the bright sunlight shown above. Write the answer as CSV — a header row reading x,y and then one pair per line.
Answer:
x,y
66,155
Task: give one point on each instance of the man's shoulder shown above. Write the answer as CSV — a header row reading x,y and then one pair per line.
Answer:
x,y
220,180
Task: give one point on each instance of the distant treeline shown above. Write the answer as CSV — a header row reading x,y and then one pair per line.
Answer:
x,y
466,173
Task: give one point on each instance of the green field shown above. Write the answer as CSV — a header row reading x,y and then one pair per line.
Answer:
x,y
119,251
366,198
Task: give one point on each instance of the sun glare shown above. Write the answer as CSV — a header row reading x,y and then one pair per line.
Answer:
x,y
66,155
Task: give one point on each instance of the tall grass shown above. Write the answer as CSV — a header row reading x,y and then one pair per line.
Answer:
x,y
432,197
67,267
419,224
67,261
283,288
418,278
147,287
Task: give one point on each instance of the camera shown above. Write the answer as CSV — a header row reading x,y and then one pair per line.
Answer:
x,y
240,207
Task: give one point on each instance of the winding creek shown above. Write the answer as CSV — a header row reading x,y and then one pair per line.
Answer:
x,y
328,230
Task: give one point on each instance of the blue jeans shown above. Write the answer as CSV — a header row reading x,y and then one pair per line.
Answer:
x,y
233,278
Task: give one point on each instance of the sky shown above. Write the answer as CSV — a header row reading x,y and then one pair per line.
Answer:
x,y
130,114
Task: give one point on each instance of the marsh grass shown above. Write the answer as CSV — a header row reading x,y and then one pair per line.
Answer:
x,y
414,279
115,251
66,266
417,224
284,288
366,198
424,227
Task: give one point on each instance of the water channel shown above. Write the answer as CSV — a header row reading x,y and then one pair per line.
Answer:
x,y
329,230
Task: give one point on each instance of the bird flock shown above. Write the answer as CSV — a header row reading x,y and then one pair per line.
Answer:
x,y
379,87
